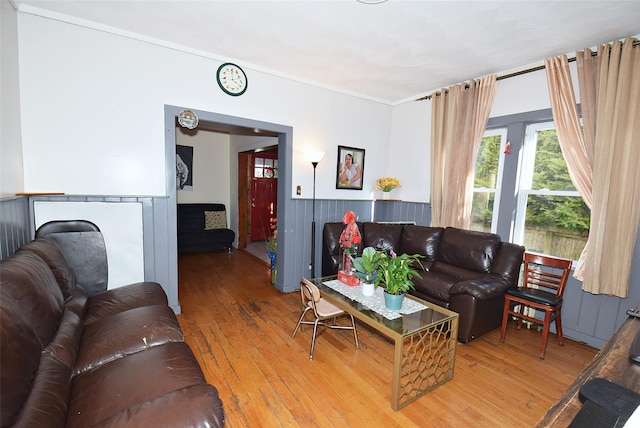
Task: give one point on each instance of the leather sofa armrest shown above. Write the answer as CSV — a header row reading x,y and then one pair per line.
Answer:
x,y
482,288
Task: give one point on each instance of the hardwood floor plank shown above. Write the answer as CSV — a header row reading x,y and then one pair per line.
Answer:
x,y
239,328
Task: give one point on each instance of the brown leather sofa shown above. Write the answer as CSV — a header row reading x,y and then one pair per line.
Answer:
x,y
116,358
465,271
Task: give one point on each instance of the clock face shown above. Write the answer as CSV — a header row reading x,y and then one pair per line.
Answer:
x,y
232,79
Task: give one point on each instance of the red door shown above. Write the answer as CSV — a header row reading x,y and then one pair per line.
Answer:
x,y
264,196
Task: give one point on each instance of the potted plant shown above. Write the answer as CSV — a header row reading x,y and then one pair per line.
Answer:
x,y
367,270
386,184
272,248
396,273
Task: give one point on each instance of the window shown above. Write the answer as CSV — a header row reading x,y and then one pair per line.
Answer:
x,y
551,217
487,179
264,167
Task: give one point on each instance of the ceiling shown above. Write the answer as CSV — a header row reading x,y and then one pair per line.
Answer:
x,y
390,52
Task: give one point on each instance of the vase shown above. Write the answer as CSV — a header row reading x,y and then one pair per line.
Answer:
x,y
346,260
368,289
393,301
386,195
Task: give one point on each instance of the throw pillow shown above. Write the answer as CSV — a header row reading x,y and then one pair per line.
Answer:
x,y
215,220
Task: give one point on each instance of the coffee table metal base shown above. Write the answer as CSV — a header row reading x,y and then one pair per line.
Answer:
x,y
422,362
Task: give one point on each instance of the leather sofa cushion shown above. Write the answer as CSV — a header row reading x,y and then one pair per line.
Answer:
x,y
66,343
27,279
120,299
421,240
468,249
435,285
128,381
47,403
384,237
52,254
331,237
19,357
31,307
198,405
125,333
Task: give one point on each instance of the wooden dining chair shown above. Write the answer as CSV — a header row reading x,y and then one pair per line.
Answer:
x,y
544,281
322,311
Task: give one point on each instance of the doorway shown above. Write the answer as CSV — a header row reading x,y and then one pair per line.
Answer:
x,y
288,271
257,199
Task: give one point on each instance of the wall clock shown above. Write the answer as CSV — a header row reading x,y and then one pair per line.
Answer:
x,y
232,79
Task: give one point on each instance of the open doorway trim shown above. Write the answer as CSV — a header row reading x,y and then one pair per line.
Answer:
x,y
285,280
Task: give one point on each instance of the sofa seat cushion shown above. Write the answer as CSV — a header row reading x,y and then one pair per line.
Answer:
x,y
126,333
120,299
197,405
130,381
468,249
541,297
436,285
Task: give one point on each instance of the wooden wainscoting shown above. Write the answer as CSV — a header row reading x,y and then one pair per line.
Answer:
x,y
240,328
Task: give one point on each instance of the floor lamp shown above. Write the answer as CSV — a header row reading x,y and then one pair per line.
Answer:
x,y
315,158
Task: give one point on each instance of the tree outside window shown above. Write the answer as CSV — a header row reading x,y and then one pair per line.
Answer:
x,y
551,216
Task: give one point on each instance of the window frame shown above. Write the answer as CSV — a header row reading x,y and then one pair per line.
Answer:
x,y
497,190
525,177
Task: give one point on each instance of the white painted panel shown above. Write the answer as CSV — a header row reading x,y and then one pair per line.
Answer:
x,y
121,226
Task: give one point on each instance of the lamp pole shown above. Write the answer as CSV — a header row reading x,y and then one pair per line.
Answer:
x,y
312,265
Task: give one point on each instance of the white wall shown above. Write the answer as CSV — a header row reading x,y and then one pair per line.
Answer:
x,y
211,167
121,227
93,105
11,173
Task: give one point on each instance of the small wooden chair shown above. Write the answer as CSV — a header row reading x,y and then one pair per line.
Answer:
x,y
322,311
545,278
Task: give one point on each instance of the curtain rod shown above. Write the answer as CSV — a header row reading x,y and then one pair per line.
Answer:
x,y
526,71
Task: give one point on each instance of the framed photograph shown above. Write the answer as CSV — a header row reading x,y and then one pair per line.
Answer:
x,y
350,168
184,168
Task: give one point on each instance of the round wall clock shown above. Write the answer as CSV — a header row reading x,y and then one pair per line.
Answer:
x,y
232,79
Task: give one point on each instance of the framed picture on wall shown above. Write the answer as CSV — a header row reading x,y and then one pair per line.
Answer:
x,y
184,168
350,168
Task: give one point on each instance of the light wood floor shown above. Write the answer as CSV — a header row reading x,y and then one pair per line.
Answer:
x,y
240,328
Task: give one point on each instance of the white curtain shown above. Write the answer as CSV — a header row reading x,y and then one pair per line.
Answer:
x,y
458,121
610,99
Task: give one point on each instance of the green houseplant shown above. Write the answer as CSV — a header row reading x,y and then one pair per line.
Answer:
x,y
396,272
367,270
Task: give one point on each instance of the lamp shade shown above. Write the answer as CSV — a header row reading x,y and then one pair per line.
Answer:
x,y
314,156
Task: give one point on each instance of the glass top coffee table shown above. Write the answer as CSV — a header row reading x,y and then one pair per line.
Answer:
x,y
425,339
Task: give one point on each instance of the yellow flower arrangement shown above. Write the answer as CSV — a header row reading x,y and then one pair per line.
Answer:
x,y
387,184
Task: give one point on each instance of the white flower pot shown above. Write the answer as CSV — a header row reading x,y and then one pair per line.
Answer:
x,y
368,289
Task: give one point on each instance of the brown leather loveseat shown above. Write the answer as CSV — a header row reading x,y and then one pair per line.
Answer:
x,y
115,358
465,271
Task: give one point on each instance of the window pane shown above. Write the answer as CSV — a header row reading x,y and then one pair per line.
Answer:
x,y
486,168
550,169
487,176
482,211
556,225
